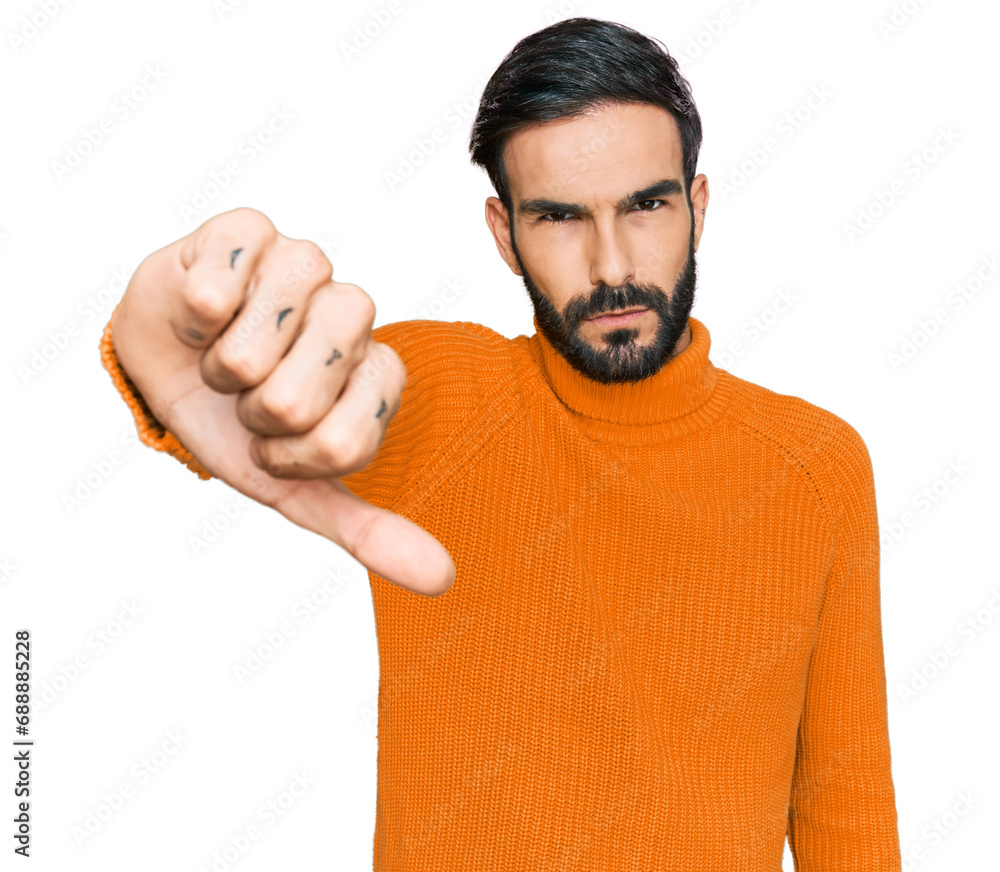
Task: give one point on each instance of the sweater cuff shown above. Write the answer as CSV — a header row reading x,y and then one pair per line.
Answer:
x,y
151,432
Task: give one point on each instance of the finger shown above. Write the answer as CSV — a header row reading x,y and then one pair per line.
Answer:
x,y
388,544
288,272
303,387
351,433
218,260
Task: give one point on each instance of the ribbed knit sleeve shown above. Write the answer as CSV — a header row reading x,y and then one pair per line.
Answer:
x,y
842,816
151,431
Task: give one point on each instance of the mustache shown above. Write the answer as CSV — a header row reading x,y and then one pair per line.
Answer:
x,y
631,295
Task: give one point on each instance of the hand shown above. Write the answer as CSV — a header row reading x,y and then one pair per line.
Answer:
x,y
265,369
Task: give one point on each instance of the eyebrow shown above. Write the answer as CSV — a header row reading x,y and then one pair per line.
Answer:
x,y
662,188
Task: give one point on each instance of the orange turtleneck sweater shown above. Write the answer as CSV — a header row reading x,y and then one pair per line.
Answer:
x,y
663,647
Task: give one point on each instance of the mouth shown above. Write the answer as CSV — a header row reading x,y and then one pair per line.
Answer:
x,y
622,316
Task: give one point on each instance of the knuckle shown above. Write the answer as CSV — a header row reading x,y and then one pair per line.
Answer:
x,y
307,263
359,300
205,300
366,305
239,363
286,409
285,455
341,449
388,359
377,366
314,257
248,220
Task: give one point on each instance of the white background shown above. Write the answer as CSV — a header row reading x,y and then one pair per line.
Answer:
x,y
68,567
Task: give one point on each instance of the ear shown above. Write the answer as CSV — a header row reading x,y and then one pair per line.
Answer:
x,y
699,202
499,224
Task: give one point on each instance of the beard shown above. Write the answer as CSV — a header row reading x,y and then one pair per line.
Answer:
x,y
623,360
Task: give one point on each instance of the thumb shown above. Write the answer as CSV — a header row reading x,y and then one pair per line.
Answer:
x,y
388,544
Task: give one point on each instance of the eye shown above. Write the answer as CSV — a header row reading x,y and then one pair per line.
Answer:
x,y
644,202
550,220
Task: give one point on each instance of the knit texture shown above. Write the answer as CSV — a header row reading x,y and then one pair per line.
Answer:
x,y
663,647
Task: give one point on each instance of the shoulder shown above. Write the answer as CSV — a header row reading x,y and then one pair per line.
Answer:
x,y
453,357
811,429
828,448
426,329
420,339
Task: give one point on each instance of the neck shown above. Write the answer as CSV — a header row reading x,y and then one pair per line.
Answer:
x,y
681,388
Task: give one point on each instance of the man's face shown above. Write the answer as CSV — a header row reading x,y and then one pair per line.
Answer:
x,y
602,223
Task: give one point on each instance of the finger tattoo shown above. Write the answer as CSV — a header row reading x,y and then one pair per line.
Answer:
x,y
281,315
382,408
335,356
232,257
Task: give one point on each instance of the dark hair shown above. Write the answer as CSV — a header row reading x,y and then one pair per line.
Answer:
x,y
568,68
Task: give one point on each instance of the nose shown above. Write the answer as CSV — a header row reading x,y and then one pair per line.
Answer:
x,y
611,258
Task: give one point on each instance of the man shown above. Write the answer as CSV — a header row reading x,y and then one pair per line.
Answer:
x,y
627,603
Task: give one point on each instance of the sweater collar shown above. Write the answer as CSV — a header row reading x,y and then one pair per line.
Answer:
x,y
683,386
